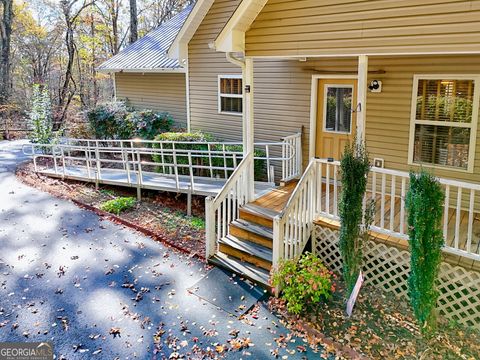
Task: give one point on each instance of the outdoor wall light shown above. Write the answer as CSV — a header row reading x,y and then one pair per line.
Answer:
x,y
375,86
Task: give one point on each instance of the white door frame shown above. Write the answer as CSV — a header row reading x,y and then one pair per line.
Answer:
x,y
314,107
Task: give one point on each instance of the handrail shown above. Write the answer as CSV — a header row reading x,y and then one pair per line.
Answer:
x,y
224,208
293,226
296,191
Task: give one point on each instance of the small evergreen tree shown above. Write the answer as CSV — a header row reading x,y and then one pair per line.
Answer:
x,y
354,169
424,205
41,116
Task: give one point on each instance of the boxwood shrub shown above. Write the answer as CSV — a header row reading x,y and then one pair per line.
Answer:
x,y
196,138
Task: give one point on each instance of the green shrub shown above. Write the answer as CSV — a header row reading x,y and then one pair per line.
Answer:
x,y
114,120
118,205
198,137
424,205
147,124
354,169
41,119
107,121
304,283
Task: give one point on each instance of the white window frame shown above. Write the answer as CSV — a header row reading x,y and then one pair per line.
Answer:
x,y
220,95
472,126
325,92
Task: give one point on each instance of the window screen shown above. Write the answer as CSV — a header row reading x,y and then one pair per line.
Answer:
x,y
231,94
443,122
338,109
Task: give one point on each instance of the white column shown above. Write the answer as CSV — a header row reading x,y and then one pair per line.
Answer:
x,y
249,121
362,96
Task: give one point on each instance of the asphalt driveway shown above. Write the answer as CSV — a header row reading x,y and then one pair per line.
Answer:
x,y
98,290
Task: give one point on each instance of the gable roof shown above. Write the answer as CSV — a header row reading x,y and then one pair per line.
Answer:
x,y
179,48
149,53
232,37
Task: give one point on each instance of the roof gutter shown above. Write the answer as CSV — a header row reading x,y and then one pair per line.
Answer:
x,y
143,71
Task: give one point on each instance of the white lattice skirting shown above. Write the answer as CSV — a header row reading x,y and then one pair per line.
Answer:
x,y
387,267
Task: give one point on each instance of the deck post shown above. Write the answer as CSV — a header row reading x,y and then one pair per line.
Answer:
x,y
249,125
210,228
362,96
189,203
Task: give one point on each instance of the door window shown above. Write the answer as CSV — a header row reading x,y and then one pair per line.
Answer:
x,y
338,108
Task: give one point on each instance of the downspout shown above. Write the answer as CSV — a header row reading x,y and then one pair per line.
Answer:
x,y
241,64
187,94
114,87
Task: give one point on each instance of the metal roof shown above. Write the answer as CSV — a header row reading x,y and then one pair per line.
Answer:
x,y
149,54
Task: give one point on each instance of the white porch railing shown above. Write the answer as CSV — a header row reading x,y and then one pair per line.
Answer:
x,y
292,150
388,188
224,208
293,227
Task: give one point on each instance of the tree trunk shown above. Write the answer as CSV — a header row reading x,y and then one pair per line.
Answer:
x,y
5,38
133,21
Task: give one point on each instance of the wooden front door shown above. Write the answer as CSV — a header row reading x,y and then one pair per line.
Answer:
x,y
336,119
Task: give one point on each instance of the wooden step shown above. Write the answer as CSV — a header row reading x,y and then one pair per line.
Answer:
x,y
258,215
242,268
247,251
253,232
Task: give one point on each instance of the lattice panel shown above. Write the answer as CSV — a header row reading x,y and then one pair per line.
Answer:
x,y
387,267
459,294
326,246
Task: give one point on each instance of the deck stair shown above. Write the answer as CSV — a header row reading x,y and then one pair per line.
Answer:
x,y
247,248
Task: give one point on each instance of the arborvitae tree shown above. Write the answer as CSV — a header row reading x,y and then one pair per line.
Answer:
x,y
424,205
354,168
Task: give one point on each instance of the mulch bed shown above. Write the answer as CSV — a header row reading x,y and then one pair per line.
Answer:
x,y
381,327
161,215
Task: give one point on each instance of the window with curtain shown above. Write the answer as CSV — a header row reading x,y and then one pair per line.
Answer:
x,y
443,122
230,94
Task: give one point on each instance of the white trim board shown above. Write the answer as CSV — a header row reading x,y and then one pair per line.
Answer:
x,y
179,48
314,107
220,94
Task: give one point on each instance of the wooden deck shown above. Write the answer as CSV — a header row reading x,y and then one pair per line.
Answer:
x,y
277,199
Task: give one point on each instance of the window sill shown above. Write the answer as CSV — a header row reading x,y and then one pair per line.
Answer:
x,y
441,167
230,113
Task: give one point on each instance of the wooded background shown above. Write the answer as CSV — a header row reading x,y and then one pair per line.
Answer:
x,y
60,43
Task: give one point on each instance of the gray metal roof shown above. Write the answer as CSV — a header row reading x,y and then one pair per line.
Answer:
x,y
150,52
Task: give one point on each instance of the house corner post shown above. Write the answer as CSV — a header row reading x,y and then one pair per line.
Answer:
x,y
249,123
362,97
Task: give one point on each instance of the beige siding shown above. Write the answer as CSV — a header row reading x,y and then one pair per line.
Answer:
x,y
159,92
205,65
388,113
275,109
320,27
283,95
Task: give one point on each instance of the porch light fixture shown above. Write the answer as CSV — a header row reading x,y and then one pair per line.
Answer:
x,y
375,86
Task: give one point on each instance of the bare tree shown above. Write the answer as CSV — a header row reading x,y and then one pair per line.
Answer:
x,y
133,21
110,12
6,8
71,14
156,12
